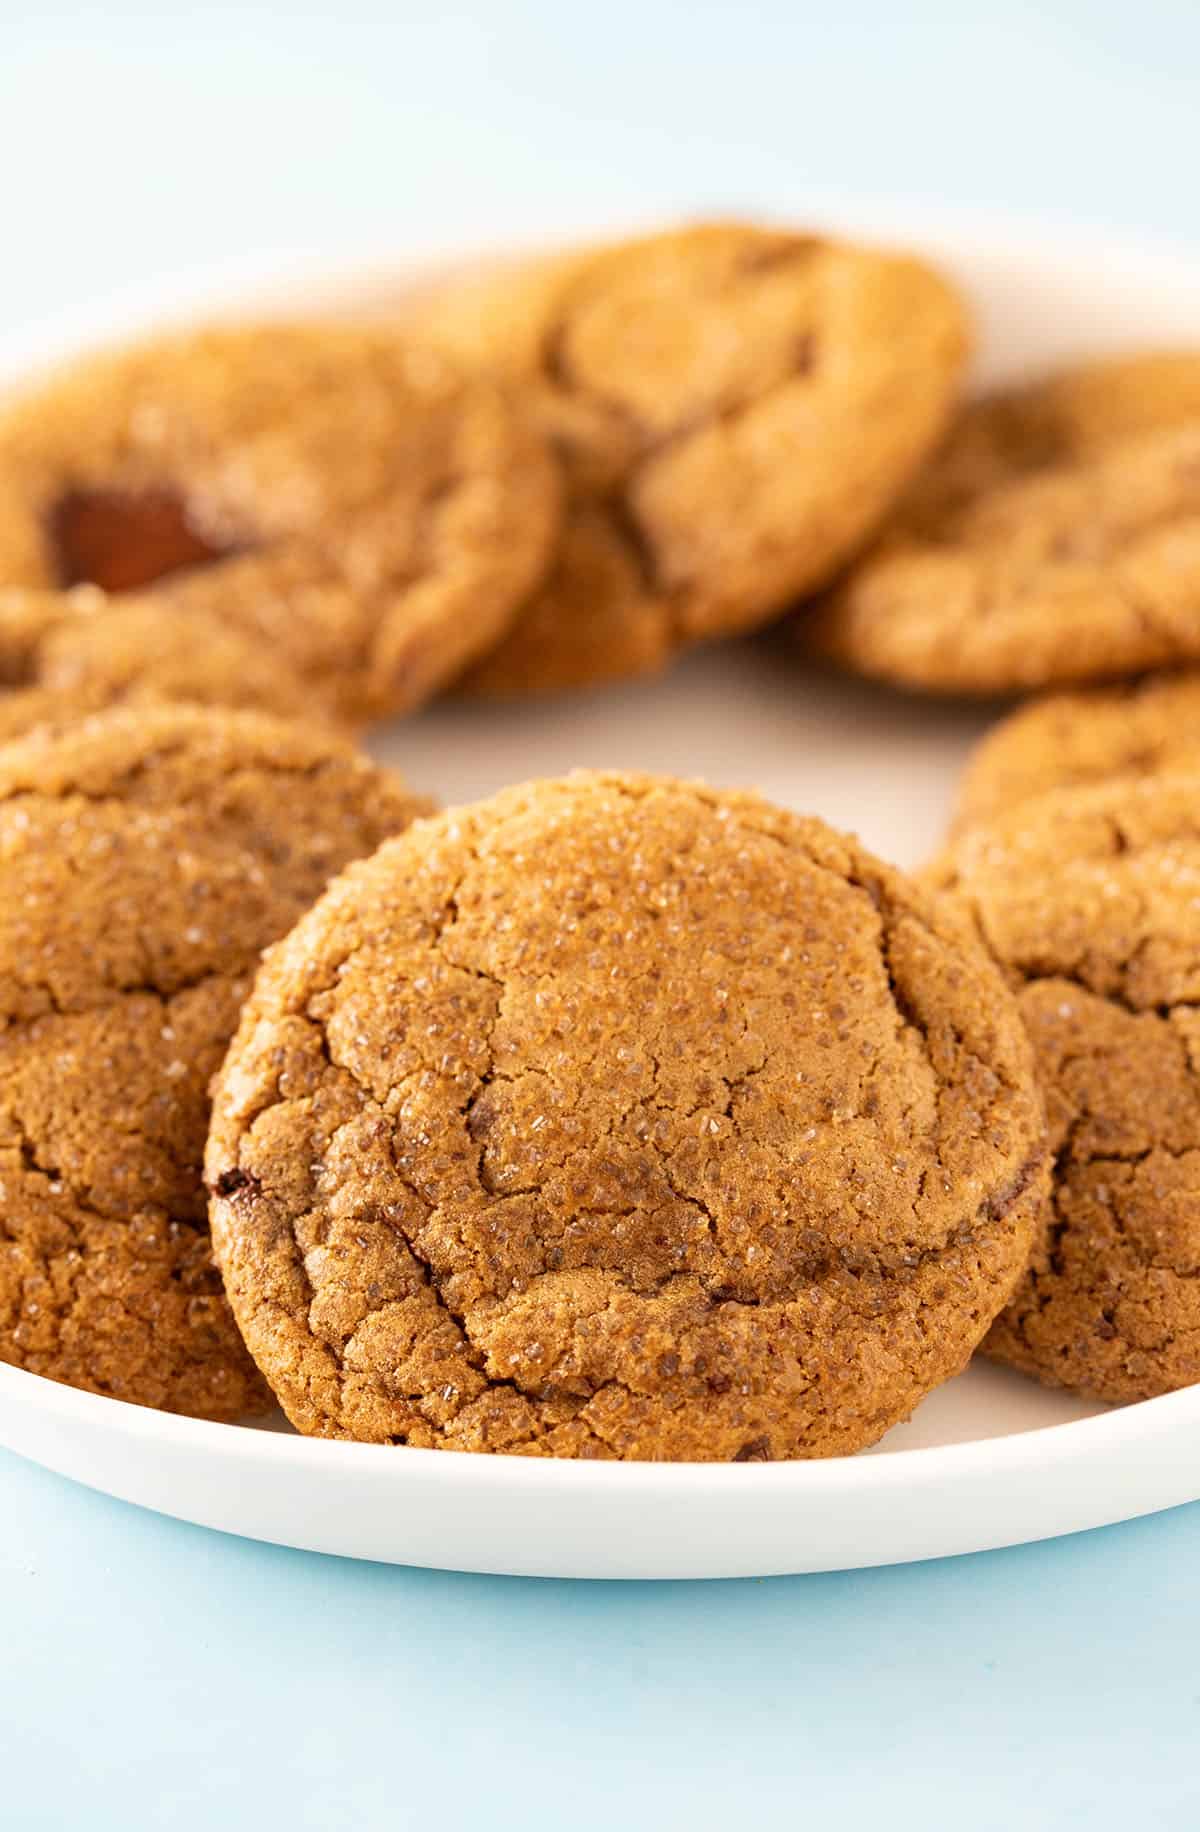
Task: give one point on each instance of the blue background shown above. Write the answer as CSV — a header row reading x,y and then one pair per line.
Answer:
x,y
152,1674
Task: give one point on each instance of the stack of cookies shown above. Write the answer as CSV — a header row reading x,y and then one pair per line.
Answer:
x,y
615,1116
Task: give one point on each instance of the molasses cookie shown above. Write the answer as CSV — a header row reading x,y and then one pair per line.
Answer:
x,y
619,1117
148,856
66,654
736,408
1054,541
344,499
1090,899
1146,727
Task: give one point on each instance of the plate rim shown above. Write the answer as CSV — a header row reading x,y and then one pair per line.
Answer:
x,y
1015,1452
263,282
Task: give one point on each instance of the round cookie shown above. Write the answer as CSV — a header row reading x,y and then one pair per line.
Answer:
x,y
148,856
1139,728
348,501
736,408
1054,541
64,655
1090,899
619,1117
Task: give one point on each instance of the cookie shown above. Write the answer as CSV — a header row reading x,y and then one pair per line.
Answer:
x,y
148,857
736,408
1090,899
64,655
1144,727
619,1117
1054,541
344,499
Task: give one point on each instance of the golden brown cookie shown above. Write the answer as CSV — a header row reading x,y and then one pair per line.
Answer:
x,y
1054,541
1090,899
64,655
1145,727
619,1117
736,407
147,858
347,500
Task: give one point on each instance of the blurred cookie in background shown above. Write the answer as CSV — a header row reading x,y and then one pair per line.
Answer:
x,y
736,408
345,500
64,655
1055,540
1143,727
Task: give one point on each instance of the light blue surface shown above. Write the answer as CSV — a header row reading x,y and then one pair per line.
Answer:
x,y
158,1675
152,1674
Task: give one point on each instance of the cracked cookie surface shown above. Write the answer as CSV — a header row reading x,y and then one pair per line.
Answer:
x,y
736,408
620,1117
1090,899
1055,540
148,857
65,655
1147,727
345,499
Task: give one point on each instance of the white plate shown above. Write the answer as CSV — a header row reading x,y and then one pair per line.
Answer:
x,y
988,1460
